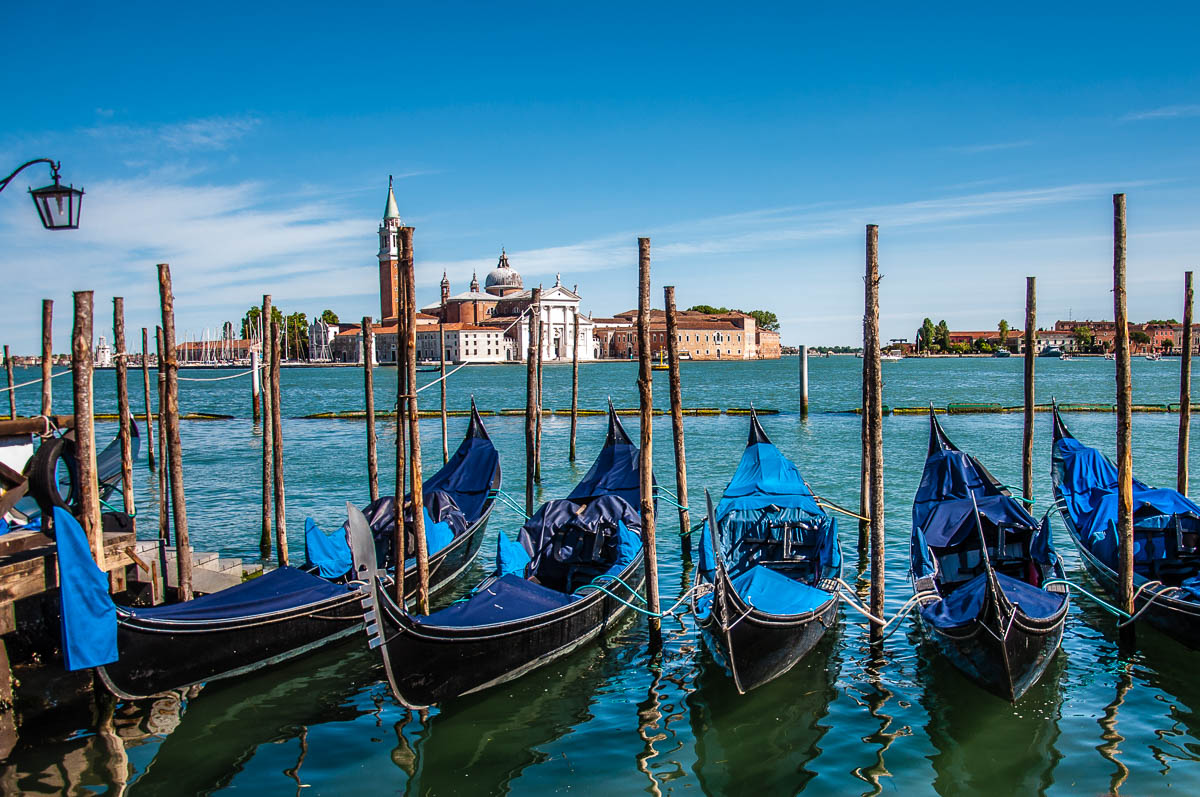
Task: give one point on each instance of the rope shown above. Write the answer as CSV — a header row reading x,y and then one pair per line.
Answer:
x,y
214,378
510,502
673,503
830,505
33,382
440,378
851,599
698,589
1100,601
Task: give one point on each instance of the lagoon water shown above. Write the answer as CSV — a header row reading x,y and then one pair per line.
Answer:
x,y
611,719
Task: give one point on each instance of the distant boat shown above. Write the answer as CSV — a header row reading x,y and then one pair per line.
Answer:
x,y
1155,357
891,355
1002,353
1065,356
1051,351
1110,356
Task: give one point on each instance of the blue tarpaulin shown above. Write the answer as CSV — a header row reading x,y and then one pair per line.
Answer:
x,y
89,616
511,557
275,591
615,471
963,604
467,476
329,552
1088,483
507,598
774,593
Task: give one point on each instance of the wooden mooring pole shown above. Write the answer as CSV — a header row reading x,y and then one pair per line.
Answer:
x,y
646,461
368,354
803,382
146,395
531,402
85,436
1030,359
124,417
402,386
174,455
164,465
281,541
873,407
1124,422
268,456
47,353
255,387
574,388
1185,389
541,344
442,383
414,429
681,488
12,393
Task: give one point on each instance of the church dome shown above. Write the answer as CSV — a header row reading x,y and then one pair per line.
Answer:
x,y
502,279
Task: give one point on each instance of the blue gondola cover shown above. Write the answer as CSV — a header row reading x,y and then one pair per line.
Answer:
x,y
329,552
962,606
275,591
89,616
511,557
467,476
507,598
1089,487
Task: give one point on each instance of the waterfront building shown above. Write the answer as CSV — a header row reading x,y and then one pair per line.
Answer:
x,y
103,357
701,336
464,343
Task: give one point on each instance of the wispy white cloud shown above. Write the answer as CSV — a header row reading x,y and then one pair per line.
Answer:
x,y
1166,112
203,135
975,149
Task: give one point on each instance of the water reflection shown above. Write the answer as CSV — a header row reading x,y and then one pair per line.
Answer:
x,y
875,700
985,744
768,737
481,743
224,726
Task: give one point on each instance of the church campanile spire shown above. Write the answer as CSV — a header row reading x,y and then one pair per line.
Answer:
x,y
389,259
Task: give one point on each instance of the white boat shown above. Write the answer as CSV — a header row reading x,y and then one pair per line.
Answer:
x,y
1065,356
1154,357
1110,356
890,355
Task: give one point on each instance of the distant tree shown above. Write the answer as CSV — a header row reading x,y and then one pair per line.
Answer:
x,y
329,317
1170,322
707,308
296,326
765,319
959,348
250,322
1085,338
1003,333
927,334
1139,337
942,335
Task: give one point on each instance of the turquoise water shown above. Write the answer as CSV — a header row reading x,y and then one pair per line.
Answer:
x,y
611,719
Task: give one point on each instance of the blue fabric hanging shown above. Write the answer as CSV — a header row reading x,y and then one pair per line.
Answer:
x,y
329,552
511,557
89,616
437,535
4,527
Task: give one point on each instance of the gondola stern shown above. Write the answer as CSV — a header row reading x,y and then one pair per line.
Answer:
x,y
476,429
757,435
938,441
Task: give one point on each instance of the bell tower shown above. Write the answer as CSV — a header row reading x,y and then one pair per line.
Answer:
x,y
389,259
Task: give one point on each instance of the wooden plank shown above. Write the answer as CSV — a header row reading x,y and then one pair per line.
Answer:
x,y
35,571
35,425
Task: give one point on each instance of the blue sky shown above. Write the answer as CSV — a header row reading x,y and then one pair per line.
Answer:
x,y
249,145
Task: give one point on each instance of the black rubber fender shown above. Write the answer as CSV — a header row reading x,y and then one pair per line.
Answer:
x,y
41,471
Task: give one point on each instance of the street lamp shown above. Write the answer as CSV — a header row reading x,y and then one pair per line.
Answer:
x,y
57,205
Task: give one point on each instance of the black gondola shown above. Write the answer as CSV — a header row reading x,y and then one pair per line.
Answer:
x,y
1166,536
773,558
984,604
551,593
290,611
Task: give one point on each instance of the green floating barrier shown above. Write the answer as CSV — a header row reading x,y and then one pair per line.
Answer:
x,y
917,410
746,411
1087,407
1149,408
958,409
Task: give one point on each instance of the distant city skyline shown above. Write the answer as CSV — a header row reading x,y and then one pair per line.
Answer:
x,y
251,151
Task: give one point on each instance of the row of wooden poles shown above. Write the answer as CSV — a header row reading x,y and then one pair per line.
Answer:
x,y
172,506
871,536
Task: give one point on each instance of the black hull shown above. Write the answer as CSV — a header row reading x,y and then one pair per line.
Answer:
x,y
760,647
160,656
429,664
1003,650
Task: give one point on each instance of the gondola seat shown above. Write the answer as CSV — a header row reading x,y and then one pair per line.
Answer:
x,y
772,593
282,589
